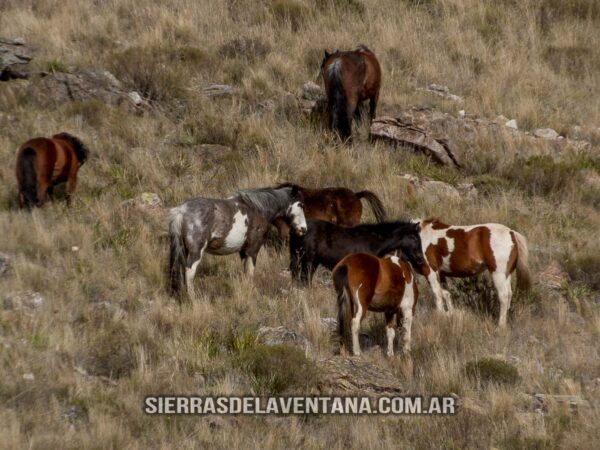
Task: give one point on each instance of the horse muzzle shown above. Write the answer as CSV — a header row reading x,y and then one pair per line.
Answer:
x,y
301,231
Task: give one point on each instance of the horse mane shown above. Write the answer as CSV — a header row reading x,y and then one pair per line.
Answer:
x,y
81,151
386,228
266,199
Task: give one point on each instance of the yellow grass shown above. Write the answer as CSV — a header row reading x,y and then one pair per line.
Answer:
x,y
536,61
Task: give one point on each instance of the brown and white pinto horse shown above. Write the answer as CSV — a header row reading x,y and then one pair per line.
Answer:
x,y
350,77
43,163
364,282
464,251
337,205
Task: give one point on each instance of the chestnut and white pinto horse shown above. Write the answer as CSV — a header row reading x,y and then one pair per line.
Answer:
x,y
464,251
238,224
365,282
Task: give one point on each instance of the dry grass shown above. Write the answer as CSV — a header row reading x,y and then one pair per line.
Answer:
x,y
106,311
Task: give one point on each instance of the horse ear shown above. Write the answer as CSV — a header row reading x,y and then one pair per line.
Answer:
x,y
327,54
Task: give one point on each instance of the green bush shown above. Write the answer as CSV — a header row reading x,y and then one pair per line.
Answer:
x,y
110,352
541,175
585,268
277,369
159,73
490,370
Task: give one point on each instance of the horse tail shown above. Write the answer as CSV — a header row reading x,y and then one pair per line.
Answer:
x,y
523,272
375,204
177,251
339,119
27,177
340,281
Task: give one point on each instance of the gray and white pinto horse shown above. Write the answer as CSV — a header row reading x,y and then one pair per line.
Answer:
x,y
237,224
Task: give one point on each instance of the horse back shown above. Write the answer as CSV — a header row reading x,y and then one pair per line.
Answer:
x,y
340,206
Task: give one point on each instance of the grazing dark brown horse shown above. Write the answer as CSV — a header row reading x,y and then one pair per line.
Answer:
x,y
350,78
337,205
364,283
465,251
42,163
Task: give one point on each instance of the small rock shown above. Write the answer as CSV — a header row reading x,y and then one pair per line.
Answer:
x,y
434,188
512,124
281,336
574,402
24,300
147,200
330,324
354,375
74,248
28,376
312,91
553,276
135,98
217,90
442,91
545,133
461,113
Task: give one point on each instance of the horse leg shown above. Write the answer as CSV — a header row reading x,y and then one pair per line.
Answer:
x,y
192,261
434,282
504,290
355,323
390,332
42,192
373,106
249,262
446,295
71,184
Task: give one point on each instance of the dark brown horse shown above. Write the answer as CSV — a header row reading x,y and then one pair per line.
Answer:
x,y
340,206
364,283
350,78
42,163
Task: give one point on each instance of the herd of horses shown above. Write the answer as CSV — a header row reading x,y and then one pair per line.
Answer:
x,y
374,266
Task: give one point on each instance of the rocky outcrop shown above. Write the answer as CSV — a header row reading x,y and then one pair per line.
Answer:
x,y
80,85
355,375
553,276
15,56
407,135
428,187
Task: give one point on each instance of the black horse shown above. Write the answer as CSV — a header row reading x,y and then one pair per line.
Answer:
x,y
326,244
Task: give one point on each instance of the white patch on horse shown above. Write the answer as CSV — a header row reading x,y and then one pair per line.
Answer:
x,y
499,238
355,323
446,259
236,237
395,260
296,213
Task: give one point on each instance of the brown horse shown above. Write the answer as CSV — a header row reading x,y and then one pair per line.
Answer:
x,y
340,206
350,78
465,251
43,163
364,283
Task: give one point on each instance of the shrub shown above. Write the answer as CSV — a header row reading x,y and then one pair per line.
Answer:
x,y
585,268
56,66
353,6
541,175
490,370
159,73
277,369
292,12
247,48
110,352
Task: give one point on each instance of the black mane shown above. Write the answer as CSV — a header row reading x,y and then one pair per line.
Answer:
x,y
81,151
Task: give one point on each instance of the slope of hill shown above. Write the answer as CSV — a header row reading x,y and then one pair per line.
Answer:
x,y
87,328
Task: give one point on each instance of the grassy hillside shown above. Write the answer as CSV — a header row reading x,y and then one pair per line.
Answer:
x,y
106,332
